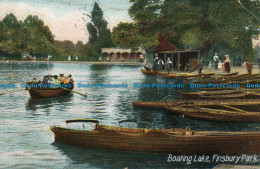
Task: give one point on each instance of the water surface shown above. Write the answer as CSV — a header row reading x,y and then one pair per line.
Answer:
x,y
27,142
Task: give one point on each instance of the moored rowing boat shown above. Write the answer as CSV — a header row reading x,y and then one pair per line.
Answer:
x,y
145,72
177,141
232,115
219,95
187,76
164,104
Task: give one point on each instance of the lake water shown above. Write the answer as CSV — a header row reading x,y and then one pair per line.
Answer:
x,y
27,142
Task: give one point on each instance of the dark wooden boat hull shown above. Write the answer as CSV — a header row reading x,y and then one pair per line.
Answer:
x,y
157,104
226,74
241,79
177,142
47,93
218,95
163,104
215,115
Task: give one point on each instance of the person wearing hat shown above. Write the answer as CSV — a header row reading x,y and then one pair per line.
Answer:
x,y
227,64
34,79
248,65
169,65
46,79
141,58
216,59
200,64
160,64
55,80
155,61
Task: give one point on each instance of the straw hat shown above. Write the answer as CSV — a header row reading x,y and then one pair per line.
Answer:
x,y
226,55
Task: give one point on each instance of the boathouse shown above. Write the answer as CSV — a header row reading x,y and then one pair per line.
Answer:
x,y
117,54
182,60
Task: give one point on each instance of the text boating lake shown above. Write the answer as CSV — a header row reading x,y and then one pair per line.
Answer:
x,y
27,142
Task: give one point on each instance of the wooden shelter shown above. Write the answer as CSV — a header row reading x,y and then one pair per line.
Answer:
x,y
183,60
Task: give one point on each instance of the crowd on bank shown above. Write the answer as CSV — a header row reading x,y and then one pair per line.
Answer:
x,y
216,64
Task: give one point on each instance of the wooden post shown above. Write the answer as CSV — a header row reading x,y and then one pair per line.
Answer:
x,y
179,58
172,60
199,58
164,61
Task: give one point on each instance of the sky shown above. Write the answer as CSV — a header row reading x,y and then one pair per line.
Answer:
x,y
65,17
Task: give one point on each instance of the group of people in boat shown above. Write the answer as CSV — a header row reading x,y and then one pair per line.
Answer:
x,y
158,65
55,80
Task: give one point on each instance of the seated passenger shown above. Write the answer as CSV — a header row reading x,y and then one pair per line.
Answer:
x,y
61,78
46,79
66,80
55,80
147,68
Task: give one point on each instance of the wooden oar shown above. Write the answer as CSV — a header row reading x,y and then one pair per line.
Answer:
x,y
83,94
233,108
11,91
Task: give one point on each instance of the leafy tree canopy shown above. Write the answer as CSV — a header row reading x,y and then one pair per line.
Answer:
x,y
207,25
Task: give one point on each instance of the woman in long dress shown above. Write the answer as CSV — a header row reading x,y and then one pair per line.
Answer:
x,y
248,65
227,64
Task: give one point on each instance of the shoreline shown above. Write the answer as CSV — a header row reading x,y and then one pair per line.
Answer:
x,y
88,62
239,69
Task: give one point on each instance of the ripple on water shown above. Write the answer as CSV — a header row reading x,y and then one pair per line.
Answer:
x,y
27,142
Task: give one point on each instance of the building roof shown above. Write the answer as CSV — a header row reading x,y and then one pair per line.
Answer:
x,y
164,45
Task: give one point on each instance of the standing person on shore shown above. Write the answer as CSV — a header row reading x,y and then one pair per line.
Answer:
x,y
155,63
169,65
200,66
160,64
249,66
210,65
216,59
227,64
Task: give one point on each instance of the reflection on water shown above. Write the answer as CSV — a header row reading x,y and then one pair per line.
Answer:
x,y
45,103
24,122
98,158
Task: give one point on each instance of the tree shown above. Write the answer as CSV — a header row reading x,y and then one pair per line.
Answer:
x,y
199,24
99,34
30,36
126,35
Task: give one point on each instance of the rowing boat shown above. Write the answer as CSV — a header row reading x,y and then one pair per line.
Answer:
x,y
226,74
226,114
48,90
226,79
174,140
145,72
187,76
47,93
219,95
214,103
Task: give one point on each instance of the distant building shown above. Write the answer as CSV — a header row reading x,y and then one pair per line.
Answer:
x,y
256,40
117,54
